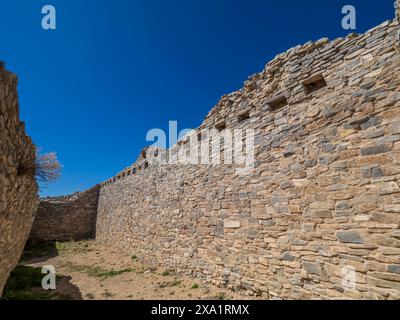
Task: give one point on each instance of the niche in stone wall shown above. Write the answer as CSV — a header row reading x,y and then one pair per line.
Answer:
x,y
277,102
25,169
202,135
244,116
220,126
314,83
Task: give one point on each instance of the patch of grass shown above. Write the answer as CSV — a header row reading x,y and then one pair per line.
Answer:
x,y
141,270
195,286
134,258
166,273
107,294
92,271
96,271
221,296
73,246
24,277
90,296
22,284
62,246
145,269
173,283
114,273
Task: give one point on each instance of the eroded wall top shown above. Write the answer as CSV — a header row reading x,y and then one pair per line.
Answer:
x,y
18,189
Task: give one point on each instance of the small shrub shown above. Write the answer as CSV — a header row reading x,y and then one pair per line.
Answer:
x,y
195,286
90,296
134,258
166,273
221,296
108,294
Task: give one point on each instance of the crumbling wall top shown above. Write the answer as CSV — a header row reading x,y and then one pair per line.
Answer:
x,y
397,7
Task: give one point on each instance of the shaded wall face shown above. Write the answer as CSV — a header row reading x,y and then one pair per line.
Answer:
x,y
18,189
66,218
322,201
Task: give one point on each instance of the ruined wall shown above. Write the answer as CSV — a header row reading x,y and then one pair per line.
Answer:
x,y
397,8
66,218
18,189
323,198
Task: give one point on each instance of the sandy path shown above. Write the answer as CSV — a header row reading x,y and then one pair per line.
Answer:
x,y
87,270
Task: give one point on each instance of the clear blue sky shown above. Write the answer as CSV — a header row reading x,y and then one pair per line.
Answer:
x,y
114,69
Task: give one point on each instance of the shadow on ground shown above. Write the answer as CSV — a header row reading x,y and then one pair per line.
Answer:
x,y
25,283
35,251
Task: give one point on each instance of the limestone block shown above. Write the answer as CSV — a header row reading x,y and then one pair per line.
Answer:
x,y
349,237
231,224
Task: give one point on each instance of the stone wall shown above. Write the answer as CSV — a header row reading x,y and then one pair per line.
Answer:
x,y
66,218
397,8
323,201
18,189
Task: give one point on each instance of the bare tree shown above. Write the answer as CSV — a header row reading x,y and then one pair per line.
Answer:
x,y
48,168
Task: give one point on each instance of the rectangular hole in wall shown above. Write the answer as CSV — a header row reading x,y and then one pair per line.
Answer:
x,y
186,143
202,135
220,126
314,83
277,102
244,116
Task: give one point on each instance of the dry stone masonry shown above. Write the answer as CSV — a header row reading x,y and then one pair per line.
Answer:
x,y
18,189
323,201
66,218
397,7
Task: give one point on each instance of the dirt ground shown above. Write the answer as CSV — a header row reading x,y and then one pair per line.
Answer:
x,y
89,271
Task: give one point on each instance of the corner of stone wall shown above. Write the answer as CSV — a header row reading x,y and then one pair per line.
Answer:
x,y
65,218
